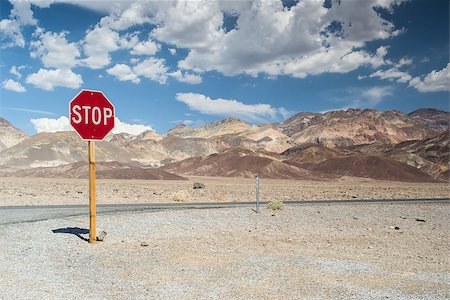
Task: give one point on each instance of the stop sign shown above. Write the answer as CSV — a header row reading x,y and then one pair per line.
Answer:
x,y
91,114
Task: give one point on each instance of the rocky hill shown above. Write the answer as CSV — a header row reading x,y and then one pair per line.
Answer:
x,y
104,170
375,167
59,148
436,119
241,163
357,127
305,146
10,135
219,128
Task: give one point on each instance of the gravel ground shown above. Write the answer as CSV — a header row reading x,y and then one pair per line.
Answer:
x,y
314,252
48,191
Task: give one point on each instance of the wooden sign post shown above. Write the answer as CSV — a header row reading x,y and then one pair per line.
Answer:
x,y
92,204
91,114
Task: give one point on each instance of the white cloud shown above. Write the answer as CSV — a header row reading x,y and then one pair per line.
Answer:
x,y
130,14
51,125
298,42
135,129
22,12
231,108
377,93
11,34
98,43
12,85
123,73
404,62
62,124
268,38
49,79
392,74
54,50
186,77
145,48
195,24
371,97
152,68
15,71
20,15
436,81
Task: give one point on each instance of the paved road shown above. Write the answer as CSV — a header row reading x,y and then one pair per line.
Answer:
x,y
20,214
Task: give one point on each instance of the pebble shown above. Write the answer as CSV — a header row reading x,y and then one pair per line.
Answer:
x,y
101,236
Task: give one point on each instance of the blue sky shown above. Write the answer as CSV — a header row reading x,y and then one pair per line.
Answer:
x,y
167,62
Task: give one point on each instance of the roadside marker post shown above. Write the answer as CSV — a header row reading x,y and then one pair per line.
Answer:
x,y
91,114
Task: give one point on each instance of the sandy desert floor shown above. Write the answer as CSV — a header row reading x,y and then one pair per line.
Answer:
x,y
314,252
46,191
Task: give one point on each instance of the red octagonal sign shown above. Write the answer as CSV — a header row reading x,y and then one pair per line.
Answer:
x,y
91,114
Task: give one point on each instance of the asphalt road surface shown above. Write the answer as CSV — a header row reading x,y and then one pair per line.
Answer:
x,y
20,214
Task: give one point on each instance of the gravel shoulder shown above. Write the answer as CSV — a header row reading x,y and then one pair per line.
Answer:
x,y
339,252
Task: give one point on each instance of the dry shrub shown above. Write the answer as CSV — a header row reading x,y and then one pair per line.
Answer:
x,y
220,197
181,196
275,205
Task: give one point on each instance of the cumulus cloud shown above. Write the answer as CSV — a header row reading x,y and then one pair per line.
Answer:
x,y
232,108
123,73
51,125
98,44
299,41
62,124
135,129
12,85
306,38
21,15
268,38
11,34
152,68
49,79
54,50
436,81
145,48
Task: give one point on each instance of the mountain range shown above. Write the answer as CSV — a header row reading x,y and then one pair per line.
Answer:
x,y
384,145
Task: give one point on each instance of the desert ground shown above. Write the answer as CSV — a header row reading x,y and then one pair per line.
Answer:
x,y
314,251
51,191
300,252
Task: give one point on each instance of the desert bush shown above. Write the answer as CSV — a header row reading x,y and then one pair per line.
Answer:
x,y
220,197
181,196
275,205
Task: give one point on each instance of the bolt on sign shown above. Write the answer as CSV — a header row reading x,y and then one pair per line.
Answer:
x,y
91,114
